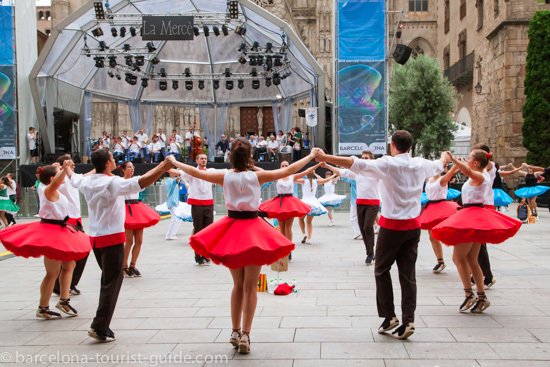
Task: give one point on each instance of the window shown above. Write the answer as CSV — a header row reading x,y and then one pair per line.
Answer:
x,y
48,32
462,45
418,5
447,16
462,9
40,15
416,51
479,6
497,10
446,57
48,15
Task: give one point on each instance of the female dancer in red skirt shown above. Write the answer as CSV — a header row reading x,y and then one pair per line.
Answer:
x,y
138,216
242,241
437,210
285,206
473,225
52,237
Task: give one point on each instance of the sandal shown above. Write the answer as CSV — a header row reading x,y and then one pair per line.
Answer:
x,y
235,338
469,301
46,314
244,343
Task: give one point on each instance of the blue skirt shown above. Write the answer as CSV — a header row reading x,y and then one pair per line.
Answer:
x,y
451,195
502,198
531,191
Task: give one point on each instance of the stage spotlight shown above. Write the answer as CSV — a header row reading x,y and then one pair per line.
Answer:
x,y
175,84
102,46
110,73
163,72
114,32
242,60
155,60
268,82
229,84
269,47
227,72
240,84
98,32
130,79
151,47
99,61
216,30
277,61
187,73
241,30
189,85
140,60
242,48
255,84
254,72
144,82
196,30
201,84
252,60
126,47
225,30
163,85
268,62
260,60
122,31
206,31
99,11
129,61
117,75
276,79
112,61
233,9
216,84
133,31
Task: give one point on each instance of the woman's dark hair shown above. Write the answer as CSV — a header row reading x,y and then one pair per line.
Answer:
x,y
403,140
481,146
240,155
5,180
481,156
297,130
62,158
123,165
100,159
47,173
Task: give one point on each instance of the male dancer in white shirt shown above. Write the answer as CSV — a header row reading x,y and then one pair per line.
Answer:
x,y
403,177
202,202
104,194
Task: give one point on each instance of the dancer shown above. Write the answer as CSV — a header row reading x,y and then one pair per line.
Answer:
x,y
7,207
104,194
242,241
330,200
531,189
353,207
403,177
12,194
502,199
59,242
437,210
285,206
309,192
173,204
75,219
201,200
473,225
138,217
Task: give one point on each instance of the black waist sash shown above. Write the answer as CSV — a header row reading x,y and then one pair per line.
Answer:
x,y
242,215
480,205
281,196
61,222
436,201
128,202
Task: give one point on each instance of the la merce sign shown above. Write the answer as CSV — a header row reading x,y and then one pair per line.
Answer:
x,y
167,28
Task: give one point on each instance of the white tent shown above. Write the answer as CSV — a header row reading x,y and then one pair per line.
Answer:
x,y
66,67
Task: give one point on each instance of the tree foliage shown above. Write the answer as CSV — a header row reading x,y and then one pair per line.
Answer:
x,y
421,101
536,110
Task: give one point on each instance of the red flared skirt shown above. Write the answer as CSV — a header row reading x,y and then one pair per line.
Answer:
x,y
236,243
139,216
435,213
289,207
43,239
476,225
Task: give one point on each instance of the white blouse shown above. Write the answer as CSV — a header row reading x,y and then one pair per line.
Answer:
x,y
241,190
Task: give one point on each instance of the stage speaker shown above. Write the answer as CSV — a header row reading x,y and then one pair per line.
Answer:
x,y
402,54
218,159
301,112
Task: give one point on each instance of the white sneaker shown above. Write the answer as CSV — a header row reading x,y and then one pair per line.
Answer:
x,y
331,224
172,238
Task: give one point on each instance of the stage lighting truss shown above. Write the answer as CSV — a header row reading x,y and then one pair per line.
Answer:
x,y
233,9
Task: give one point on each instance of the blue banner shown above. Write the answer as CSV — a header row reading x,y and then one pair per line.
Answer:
x,y
360,77
7,85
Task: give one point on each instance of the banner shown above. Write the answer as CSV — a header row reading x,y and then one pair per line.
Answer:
x,y
360,77
311,116
7,85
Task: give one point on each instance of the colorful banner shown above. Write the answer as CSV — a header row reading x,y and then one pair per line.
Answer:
x,y
360,77
8,127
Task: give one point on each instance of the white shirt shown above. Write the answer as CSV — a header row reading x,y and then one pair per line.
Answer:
x,y
253,143
106,142
134,147
366,186
490,194
262,144
403,177
155,147
31,139
11,187
198,189
119,148
179,139
142,137
241,190
125,141
162,140
105,197
174,148
434,190
73,198
273,144
55,210
285,186
475,194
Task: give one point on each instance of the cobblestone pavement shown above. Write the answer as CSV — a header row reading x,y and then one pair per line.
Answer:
x,y
179,312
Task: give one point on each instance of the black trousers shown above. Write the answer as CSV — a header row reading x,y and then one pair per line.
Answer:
x,y
109,260
366,215
485,264
203,216
77,274
400,247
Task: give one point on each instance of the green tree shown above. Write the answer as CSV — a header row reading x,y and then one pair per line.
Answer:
x,y
536,110
421,101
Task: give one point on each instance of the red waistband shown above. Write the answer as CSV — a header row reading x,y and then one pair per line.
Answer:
x,y
489,206
399,224
367,202
75,221
108,240
200,202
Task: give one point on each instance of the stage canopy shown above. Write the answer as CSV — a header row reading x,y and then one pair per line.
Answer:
x,y
68,65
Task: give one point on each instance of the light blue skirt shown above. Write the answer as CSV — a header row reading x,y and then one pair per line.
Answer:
x,y
531,191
